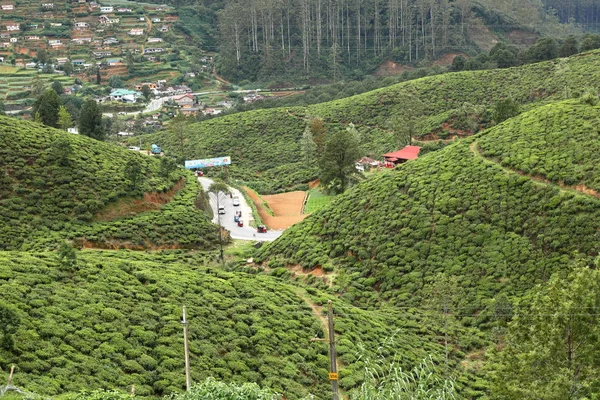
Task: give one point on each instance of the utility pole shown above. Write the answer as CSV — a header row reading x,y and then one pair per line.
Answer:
x,y
333,376
188,379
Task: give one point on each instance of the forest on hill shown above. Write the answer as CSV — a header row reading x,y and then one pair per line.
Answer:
x,y
56,185
336,39
436,107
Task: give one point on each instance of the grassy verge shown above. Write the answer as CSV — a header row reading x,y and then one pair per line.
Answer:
x,y
256,219
316,200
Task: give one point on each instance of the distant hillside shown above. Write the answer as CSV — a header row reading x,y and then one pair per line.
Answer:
x,y
265,143
460,212
55,183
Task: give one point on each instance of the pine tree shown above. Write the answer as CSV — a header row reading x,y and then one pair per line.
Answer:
x,y
90,120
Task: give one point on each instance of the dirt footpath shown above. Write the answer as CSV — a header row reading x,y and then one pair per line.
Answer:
x,y
287,208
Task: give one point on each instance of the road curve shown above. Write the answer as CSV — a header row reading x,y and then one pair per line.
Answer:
x,y
245,232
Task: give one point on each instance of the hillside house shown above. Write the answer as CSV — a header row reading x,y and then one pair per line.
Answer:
x,y
183,101
4,45
7,7
124,10
34,26
32,37
401,156
150,85
154,40
128,96
107,9
102,54
81,25
48,6
136,32
103,19
1,59
61,60
211,111
13,27
155,20
164,28
113,61
78,62
153,50
54,43
13,40
4,35
82,40
55,24
30,65
110,40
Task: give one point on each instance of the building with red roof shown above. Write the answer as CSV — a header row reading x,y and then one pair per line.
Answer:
x,y
401,156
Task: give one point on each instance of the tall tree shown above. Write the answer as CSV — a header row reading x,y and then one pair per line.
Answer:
x,y
90,120
551,350
46,108
64,118
337,163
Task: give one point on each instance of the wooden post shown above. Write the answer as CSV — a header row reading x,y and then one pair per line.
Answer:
x,y
333,376
188,379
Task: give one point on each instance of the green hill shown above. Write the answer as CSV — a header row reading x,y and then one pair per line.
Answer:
x,y
55,185
458,214
115,321
265,143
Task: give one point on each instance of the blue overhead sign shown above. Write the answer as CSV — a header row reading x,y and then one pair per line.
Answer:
x,y
208,162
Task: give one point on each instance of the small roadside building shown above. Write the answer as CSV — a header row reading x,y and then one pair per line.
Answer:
x,y
401,156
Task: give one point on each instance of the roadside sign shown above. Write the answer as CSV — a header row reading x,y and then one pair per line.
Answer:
x,y
208,162
333,376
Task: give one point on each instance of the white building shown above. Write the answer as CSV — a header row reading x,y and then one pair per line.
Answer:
x,y
136,32
107,9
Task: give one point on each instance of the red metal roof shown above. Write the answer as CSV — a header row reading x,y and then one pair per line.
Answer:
x,y
407,153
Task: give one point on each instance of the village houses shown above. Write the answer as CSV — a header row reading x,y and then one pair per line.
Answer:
x,y
107,9
7,7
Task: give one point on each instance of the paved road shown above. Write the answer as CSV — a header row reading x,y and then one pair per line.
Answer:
x,y
245,232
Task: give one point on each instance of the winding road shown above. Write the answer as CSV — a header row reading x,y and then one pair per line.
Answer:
x,y
245,232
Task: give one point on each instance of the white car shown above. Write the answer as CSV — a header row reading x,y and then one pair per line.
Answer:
x,y
236,201
221,210
134,148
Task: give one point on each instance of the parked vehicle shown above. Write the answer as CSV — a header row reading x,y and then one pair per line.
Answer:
x,y
134,148
240,222
236,201
261,229
236,218
221,209
156,149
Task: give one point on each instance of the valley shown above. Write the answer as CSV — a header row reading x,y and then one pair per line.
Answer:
x,y
463,265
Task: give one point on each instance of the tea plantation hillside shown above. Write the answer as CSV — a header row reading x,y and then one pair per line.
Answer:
x,y
265,143
114,320
52,185
458,213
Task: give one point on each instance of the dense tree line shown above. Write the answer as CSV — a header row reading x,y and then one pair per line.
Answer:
x,y
262,38
585,12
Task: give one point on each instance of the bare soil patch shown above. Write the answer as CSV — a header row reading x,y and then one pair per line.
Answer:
x,y
287,208
447,59
390,68
129,207
518,36
481,35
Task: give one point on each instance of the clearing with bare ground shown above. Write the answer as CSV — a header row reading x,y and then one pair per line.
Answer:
x,y
286,207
